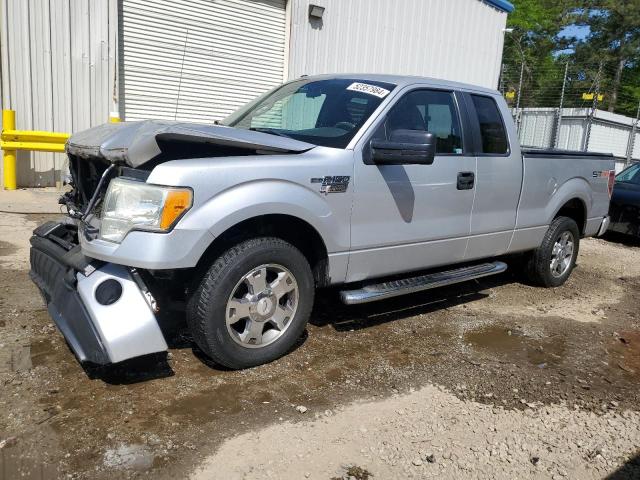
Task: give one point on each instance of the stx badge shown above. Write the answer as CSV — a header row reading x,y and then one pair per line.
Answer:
x,y
332,183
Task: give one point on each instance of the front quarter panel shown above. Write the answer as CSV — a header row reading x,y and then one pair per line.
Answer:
x,y
230,190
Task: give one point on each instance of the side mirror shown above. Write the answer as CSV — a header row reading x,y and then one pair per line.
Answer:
x,y
405,147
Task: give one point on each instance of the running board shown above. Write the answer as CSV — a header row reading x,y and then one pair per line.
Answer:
x,y
395,288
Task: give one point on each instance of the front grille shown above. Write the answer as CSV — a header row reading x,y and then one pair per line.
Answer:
x,y
86,173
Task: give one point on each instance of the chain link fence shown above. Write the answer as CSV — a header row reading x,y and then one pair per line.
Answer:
x,y
575,107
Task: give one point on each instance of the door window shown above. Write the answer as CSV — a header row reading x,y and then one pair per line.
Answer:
x,y
494,138
428,110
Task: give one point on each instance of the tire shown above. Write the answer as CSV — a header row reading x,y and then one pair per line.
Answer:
x,y
539,267
247,336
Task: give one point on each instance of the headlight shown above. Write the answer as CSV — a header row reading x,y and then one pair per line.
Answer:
x,y
131,205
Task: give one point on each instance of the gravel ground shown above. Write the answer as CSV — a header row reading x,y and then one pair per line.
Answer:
x,y
431,433
522,365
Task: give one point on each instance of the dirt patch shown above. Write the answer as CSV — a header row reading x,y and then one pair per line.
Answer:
x,y
624,352
507,344
164,414
352,472
15,231
14,356
597,283
7,249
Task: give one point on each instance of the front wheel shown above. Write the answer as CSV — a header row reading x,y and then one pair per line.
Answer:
x,y
253,303
553,261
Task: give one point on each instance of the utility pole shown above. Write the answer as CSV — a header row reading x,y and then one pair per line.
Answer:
x,y
632,136
594,107
556,136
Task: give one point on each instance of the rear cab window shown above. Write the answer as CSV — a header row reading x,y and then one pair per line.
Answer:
x,y
491,125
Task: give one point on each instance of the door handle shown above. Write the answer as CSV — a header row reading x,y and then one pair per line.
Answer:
x,y
466,180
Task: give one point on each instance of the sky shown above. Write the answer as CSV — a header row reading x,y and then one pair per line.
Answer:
x,y
578,31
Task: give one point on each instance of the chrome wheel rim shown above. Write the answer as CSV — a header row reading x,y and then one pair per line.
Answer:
x,y
262,305
562,254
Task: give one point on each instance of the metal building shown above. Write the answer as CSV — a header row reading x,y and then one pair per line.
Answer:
x,y
581,129
67,64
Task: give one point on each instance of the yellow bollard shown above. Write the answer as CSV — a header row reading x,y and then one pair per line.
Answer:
x,y
9,123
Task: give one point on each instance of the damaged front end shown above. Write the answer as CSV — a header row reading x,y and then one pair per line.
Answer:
x,y
133,149
120,230
104,311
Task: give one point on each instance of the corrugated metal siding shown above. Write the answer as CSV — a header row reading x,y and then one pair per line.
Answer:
x,y
571,134
198,60
609,131
537,130
610,138
58,61
456,39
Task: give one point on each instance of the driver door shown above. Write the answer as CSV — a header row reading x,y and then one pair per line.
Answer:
x,y
412,217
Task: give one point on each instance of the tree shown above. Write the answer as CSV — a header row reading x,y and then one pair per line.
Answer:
x,y
535,24
608,56
613,41
532,43
630,91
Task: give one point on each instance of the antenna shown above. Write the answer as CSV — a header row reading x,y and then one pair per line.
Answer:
x,y
184,51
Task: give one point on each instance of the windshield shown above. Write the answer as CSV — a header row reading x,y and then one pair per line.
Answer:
x,y
322,112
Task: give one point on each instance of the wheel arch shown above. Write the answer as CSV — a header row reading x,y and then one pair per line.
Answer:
x,y
576,209
294,230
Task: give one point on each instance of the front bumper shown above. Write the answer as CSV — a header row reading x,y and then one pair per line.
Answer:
x,y
102,331
151,250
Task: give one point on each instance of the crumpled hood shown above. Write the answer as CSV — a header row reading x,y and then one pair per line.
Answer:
x,y
135,143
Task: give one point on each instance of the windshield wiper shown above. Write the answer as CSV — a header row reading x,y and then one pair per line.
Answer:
x,y
270,131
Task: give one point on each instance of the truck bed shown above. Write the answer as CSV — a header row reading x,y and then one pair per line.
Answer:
x,y
552,178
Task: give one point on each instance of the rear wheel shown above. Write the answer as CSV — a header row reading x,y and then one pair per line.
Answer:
x,y
553,261
253,303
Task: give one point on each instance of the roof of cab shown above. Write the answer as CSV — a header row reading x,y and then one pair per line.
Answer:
x,y
403,80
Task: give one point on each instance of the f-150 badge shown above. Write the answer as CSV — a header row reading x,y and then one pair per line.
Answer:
x,y
332,183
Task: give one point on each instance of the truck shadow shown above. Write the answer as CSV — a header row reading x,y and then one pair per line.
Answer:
x,y
630,470
328,311
626,240
147,367
136,370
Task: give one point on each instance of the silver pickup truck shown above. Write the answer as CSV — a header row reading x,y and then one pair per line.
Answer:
x,y
383,185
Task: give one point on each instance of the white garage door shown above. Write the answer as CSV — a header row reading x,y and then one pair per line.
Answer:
x,y
198,60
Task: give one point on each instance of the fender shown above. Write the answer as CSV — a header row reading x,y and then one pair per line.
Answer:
x,y
229,190
576,187
533,222
262,197
184,246
539,207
